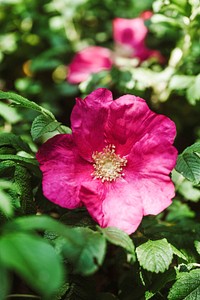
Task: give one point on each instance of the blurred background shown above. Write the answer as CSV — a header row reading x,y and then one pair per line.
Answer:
x,y
38,41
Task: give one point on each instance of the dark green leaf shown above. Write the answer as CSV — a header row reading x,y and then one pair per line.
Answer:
x,y
33,259
155,256
85,249
29,163
186,287
10,139
4,281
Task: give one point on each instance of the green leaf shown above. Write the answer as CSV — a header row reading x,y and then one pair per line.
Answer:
x,y
33,259
188,163
10,139
186,287
41,125
29,163
181,82
23,185
155,256
6,203
25,103
197,246
85,249
178,253
9,113
193,93
4,281
119,238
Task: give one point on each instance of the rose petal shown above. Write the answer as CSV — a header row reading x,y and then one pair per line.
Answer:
x,y
113,204
130,119
155,193
63,170
88,119
90,60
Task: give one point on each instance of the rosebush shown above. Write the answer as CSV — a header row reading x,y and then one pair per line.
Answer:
x,y
123,217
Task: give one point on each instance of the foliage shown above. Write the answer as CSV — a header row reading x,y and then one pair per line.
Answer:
x,y
52,253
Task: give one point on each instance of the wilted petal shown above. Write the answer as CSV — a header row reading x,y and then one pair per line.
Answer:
x,y
113,204
90,60
63,170
88,119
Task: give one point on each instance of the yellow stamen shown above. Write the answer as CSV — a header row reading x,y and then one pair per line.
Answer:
x,y
107,164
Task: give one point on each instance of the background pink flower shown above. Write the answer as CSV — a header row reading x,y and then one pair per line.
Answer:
x,y
130,35
90,60
116,162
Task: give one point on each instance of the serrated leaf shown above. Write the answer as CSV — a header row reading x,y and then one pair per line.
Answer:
x,y
33,259
42,125
119,238
155,256
188,163
186,287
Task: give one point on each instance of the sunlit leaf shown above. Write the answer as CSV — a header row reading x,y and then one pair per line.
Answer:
x,y
155,256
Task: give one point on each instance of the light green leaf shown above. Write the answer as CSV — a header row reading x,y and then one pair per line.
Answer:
x,y
155,256
41,125
33,259
186,287
6,203
181,82
197,246
188,163
193,93
10,114
119,238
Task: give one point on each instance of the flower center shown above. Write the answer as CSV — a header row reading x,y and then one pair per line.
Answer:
x,y
107,164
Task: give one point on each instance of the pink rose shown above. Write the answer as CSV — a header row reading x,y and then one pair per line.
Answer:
x,y
116,162
90,60
130,35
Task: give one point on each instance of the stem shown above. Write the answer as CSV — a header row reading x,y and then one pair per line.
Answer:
x,y
23,296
